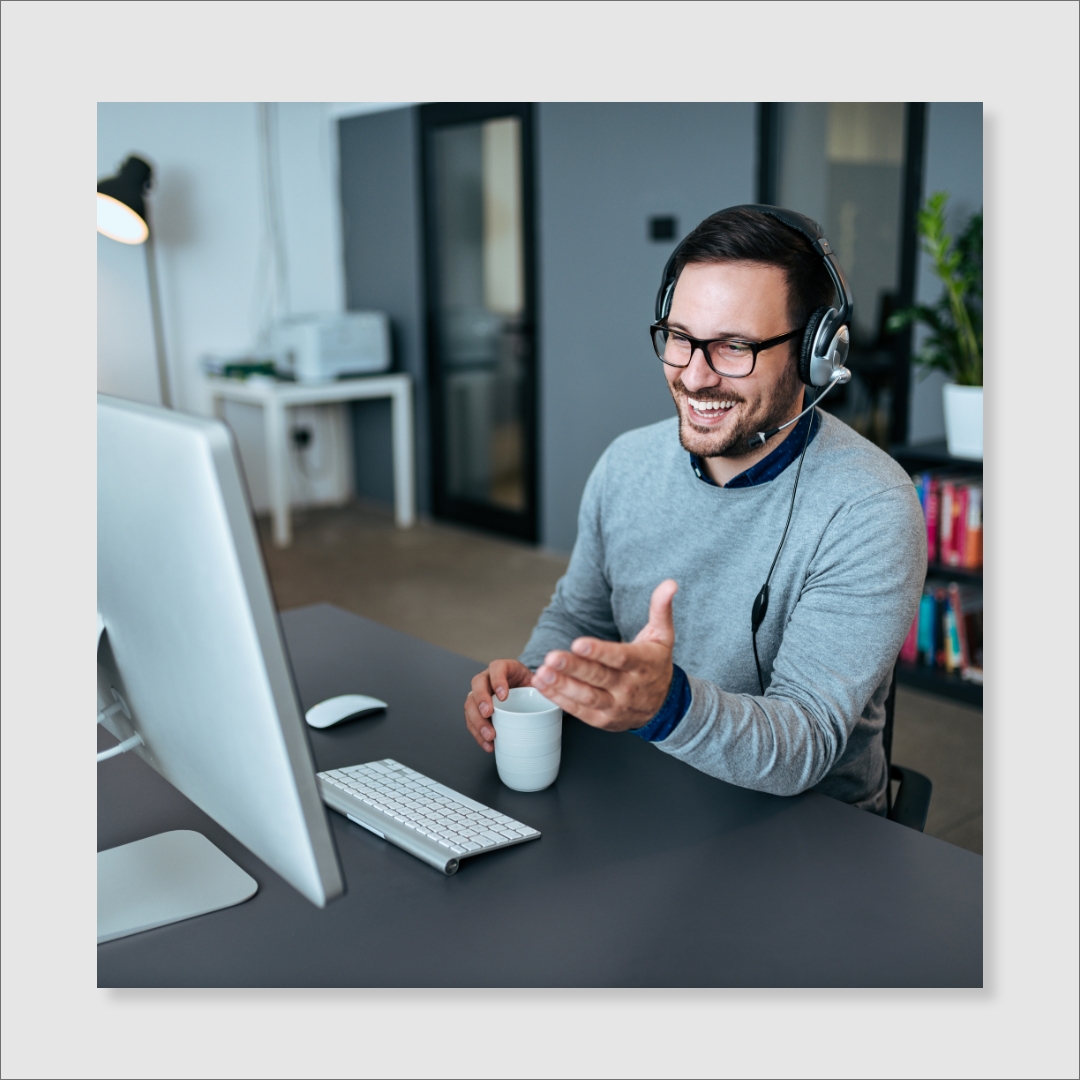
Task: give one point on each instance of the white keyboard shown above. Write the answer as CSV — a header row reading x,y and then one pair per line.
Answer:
x,y
427,819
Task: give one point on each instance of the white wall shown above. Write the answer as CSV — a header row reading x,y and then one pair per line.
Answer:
x,y
954,163
208,218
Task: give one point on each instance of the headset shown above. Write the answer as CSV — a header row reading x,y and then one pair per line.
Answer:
x,y
822,353
826,338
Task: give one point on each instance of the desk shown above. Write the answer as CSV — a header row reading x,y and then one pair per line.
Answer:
x,y
648,873
277,397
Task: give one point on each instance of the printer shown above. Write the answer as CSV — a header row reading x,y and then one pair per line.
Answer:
x,y
321,348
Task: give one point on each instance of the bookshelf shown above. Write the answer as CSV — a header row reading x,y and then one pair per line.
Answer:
x,y
917,458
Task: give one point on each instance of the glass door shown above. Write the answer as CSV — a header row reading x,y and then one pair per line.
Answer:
x,y
856,168
478,235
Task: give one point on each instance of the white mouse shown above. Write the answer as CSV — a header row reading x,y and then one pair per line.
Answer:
x,y
346,707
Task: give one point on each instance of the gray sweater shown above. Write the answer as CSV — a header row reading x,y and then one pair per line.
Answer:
x,y
842,599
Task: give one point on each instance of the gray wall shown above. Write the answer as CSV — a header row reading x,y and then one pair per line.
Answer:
x,y
603,170
383,249
954,163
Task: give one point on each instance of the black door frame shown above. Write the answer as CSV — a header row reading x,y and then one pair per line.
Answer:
x,y
520,524
768,174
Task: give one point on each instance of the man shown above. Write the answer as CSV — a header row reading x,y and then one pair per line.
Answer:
x,y
690,505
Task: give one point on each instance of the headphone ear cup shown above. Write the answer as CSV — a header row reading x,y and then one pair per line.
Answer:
x,y
806,353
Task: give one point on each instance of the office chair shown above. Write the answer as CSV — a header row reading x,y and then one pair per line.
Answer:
x,y
912,802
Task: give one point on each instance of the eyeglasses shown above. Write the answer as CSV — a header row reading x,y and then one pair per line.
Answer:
x,y
731,357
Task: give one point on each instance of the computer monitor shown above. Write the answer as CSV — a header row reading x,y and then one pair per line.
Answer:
x,y
191,658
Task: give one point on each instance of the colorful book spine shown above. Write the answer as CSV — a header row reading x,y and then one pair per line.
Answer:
x,y
941,627
926,629
954,650
949,550
961,652
961,498
930,511
973,547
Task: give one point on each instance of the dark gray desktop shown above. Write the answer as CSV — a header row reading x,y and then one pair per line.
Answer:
x,y
648,873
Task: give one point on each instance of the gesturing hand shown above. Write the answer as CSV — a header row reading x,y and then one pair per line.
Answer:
x,y
612,685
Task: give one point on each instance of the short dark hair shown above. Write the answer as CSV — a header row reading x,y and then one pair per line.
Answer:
x,y
744,235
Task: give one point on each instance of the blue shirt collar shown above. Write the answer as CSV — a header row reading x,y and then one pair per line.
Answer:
x,y
771,465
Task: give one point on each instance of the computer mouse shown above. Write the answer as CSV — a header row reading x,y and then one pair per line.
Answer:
x,y
346,707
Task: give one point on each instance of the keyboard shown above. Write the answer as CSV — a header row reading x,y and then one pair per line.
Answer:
x,y
426,818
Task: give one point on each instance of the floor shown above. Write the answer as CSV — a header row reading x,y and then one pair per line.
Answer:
x,y
479,595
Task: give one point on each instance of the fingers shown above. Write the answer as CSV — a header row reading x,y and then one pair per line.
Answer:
x,y
594,717
572,694
588,671
494,683
480,729
661,625
611,654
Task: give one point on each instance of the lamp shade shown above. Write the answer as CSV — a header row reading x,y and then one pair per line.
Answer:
x,y
121,203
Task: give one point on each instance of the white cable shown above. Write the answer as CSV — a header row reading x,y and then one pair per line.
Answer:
x,y
122,748
112,710
271,297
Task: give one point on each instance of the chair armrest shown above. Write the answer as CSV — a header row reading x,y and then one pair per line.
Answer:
x,y
912,802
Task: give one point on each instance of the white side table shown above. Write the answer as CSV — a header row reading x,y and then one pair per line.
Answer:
x,y
276,398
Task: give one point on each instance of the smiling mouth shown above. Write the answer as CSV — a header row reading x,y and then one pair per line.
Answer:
x,y
708,412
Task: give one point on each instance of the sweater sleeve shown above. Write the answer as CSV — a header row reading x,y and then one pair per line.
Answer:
x,y
836,653
581,606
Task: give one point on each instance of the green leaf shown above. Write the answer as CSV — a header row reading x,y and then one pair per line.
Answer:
x,y
956,343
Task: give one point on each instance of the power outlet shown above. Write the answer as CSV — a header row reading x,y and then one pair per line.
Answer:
x,y
320,454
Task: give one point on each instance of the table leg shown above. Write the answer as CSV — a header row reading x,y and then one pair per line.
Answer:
x,y
277,468
404,467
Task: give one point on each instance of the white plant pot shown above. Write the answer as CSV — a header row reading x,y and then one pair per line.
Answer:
x,y
964,420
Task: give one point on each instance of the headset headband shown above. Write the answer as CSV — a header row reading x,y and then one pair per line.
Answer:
x,y
800,224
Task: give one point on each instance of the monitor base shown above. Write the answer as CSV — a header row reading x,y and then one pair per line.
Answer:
x,y
164,879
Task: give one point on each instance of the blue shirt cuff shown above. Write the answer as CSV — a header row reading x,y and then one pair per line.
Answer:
x,y
671,712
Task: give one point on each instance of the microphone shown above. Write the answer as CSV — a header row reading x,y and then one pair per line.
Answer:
x,y
839,375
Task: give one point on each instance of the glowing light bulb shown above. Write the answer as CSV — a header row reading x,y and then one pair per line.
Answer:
x,y
120,222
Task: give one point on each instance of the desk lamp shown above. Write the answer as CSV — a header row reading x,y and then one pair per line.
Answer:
x,y
122,216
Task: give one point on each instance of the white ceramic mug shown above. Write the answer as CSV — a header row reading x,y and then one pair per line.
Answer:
x,y
528,739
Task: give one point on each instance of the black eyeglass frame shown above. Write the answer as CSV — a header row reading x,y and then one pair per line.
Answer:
x,y
703,344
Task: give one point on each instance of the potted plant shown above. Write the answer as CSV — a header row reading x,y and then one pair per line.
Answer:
x,y
955,342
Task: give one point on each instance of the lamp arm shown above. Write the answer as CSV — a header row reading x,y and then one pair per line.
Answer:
x,y
159,328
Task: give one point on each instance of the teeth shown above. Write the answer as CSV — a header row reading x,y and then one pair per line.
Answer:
x,y
710,406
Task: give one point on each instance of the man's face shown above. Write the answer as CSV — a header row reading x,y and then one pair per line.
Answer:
x,y
732,299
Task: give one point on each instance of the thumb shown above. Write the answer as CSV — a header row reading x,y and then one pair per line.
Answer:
x,y
660,627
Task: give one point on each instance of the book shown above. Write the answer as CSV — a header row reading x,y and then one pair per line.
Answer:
x,y
951,650
960,516
973,541
930,512
946,632
961,657
925,639
941,630
971,617
949,521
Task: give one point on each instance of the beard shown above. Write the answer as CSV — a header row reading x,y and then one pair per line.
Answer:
x,y
747,418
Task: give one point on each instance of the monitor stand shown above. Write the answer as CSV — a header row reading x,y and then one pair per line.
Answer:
x,y
164,879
